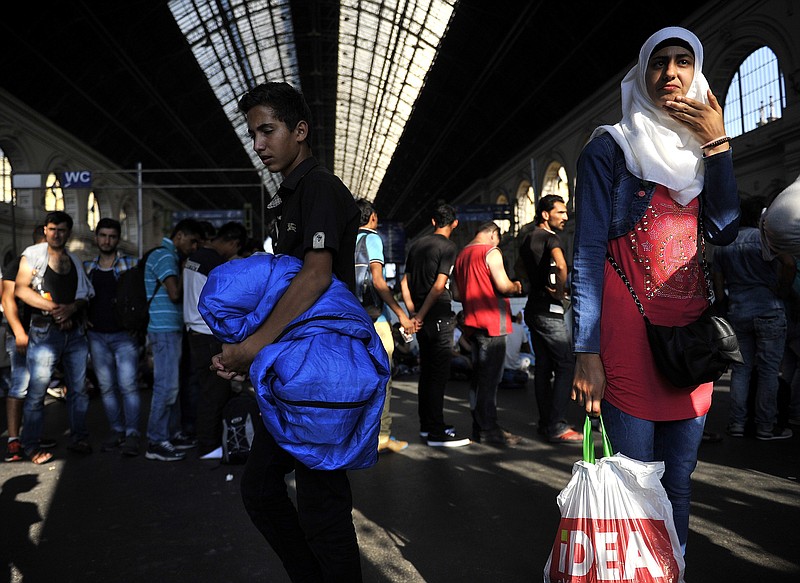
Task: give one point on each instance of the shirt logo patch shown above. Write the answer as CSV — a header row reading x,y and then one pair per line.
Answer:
x,y
291,227
319,240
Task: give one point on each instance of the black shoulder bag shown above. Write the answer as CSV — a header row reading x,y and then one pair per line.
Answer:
x,y
697,353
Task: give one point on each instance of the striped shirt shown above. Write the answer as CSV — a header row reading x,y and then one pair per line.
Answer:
x,y
165,315
121,264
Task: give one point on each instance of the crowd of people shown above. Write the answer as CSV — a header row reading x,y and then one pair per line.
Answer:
x,y
62,317
653,189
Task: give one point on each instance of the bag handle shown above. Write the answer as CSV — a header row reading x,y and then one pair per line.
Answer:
x,y
588,442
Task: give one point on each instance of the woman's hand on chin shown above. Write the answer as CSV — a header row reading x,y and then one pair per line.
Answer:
x,y
704,120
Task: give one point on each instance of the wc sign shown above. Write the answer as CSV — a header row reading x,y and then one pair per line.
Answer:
x,y
76,179
596,550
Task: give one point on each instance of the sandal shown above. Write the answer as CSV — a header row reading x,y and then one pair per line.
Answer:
x,y
40,456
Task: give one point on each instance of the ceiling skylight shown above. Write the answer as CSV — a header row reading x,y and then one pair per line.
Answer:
x,y
385,51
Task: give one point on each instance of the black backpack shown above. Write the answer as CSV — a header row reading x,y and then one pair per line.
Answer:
x,y
132,306
240,420
365,289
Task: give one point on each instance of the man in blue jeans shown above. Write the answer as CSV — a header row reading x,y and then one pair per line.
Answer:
x,y
52,282
543,257
162,282
756,311
17,319
114,350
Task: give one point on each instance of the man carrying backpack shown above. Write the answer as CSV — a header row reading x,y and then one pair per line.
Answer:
x,y
375,295
114,350
162,278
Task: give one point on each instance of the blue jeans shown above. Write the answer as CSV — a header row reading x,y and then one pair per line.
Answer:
x,y
790,368
488,358
761,341
115,360
164,421
20,377
674,442
552,346
47,346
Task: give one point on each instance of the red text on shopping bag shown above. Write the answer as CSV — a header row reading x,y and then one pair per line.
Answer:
x,y
593,550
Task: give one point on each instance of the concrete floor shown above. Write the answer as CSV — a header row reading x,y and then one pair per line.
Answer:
x,y
475,514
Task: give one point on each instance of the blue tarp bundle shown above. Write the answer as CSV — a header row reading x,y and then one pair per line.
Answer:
x,y
321,384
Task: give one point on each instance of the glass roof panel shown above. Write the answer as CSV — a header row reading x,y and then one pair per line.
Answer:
x,y
238,44
385,51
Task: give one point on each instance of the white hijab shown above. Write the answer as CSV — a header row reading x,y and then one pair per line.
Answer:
x,y
657,148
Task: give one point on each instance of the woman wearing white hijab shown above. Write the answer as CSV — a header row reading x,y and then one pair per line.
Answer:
x,y
639,191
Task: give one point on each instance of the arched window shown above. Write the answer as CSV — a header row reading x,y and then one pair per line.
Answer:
x,y
555,181
526,205
7,193
504,224
93,211
53,195
756,95
127,224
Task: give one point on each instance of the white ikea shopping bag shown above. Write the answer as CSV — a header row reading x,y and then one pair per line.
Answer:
x,y
616,523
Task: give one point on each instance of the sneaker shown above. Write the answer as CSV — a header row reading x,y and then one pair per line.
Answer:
x,y
112,442
58,392
164,452
776,433
448,429
497,436
182,441
81,447
392,444
569,436
130,446
14,451
447,440
214,454
735,430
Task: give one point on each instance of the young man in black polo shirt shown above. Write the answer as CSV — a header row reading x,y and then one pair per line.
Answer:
x,y
317,222
427,297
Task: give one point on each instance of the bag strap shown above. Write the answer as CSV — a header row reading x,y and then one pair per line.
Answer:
x,y
627,283
145,257
361,249
588,441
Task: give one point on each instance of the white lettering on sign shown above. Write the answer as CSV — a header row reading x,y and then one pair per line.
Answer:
x,y
77,179
600,552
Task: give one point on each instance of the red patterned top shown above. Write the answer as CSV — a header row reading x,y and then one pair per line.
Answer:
x,y
659,257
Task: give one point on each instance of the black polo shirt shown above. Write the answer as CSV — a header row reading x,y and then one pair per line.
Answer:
x,y
316,210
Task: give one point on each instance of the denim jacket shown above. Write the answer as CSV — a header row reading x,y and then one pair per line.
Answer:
x,y
610,201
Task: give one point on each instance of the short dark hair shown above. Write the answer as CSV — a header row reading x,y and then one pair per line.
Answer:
x,y
233,231
443,215
58,217
107,223
188,227
366,209
38,233
287,103
545,205
488,227
209,230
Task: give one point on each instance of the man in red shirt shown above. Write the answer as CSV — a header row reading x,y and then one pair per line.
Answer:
x,y
482,283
